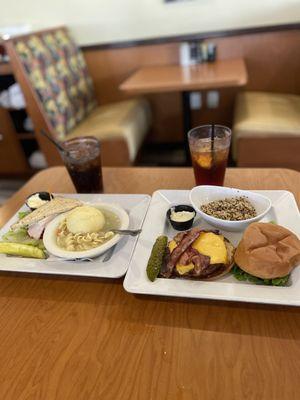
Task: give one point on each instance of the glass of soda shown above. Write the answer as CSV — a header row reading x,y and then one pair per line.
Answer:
x,y
83,161
209,147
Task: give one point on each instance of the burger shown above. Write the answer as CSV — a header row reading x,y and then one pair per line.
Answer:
x,y
197,254
267,254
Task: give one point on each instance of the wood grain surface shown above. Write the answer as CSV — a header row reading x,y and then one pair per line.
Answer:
x,y
170,78
63,339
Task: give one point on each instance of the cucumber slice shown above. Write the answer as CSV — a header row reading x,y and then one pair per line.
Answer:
x,y
22,250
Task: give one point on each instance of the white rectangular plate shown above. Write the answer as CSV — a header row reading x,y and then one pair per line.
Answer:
x,y
284,211
136,206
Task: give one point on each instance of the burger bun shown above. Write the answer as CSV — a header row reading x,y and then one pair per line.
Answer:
x,y
268,251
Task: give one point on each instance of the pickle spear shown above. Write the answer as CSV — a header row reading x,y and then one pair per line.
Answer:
x,y
156,257
22,250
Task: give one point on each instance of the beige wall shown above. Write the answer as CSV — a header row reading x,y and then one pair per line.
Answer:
x,y
100,21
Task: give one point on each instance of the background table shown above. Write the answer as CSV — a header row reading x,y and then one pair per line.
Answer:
x,y
63,339
169,78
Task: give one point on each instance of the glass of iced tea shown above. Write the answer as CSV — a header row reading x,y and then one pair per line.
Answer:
x,y
83,161
209,147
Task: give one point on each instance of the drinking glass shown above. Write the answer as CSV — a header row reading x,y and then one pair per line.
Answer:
x,y
209,147
83,161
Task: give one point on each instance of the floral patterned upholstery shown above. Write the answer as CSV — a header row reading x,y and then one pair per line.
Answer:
x,y
57,70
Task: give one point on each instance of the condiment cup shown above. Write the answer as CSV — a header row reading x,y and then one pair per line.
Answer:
x,y
181,225
204,194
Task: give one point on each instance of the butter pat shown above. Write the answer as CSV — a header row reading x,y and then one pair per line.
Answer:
x,y
181,216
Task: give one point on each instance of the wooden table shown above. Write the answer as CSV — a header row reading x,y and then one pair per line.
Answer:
x,y
65,339
175,78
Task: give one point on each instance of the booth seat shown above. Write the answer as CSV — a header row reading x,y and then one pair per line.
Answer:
x,y
266,130
127,120
60,98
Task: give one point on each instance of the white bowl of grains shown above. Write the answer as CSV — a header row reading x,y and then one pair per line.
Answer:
x,y
228,208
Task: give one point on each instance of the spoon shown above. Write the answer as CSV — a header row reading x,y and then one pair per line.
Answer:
x,y
55,142
130,232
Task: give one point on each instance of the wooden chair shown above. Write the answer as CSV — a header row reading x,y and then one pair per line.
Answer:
x,y
53,75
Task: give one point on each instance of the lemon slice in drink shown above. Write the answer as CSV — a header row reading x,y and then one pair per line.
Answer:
x,y
205,160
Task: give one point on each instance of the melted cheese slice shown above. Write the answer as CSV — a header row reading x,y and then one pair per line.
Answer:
x,y
183,269
212,245
172,245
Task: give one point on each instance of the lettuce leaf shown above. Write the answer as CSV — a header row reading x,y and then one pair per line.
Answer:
x,y
21,236
22,214
241,275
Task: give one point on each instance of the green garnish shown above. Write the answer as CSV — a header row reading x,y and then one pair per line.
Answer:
x,y
21,236
22,214
241,275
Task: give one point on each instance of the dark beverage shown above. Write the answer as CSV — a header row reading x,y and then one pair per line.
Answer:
x,y
87,179
209,168
209,147
83,162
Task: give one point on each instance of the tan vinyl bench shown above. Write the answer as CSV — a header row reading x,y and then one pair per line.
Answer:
x,y
266,130
121,126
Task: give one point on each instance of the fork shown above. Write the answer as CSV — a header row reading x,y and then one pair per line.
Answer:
x,y
109,253
130,232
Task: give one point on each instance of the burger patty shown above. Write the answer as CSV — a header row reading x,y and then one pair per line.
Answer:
x,y
213,270
184,254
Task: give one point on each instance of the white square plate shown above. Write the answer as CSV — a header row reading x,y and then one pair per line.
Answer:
x,y
284,211
136,206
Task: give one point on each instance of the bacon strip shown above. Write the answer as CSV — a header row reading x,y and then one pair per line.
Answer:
x,y
202,263
187,240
